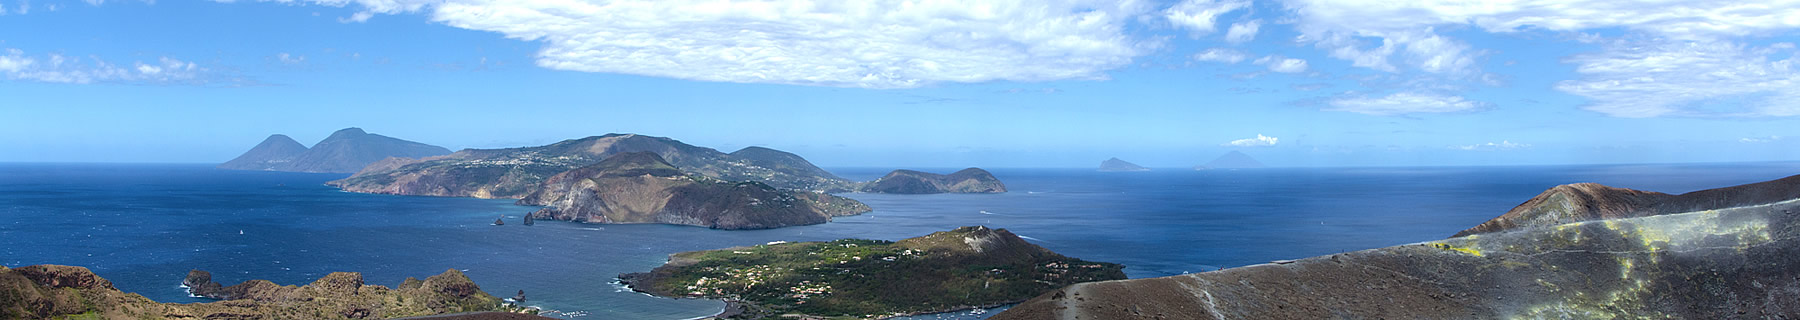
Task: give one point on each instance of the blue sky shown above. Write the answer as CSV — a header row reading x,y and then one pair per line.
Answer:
x,y
1026,83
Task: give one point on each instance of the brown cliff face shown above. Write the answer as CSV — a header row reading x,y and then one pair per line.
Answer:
x,y
54,292
971,180
1591,201
639,187
1734,253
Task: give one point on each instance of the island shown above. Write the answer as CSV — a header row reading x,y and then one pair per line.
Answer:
x,y
971,180
59,292
1116,165
345,151
969,267
640,187
514,173
1578,251
1231,160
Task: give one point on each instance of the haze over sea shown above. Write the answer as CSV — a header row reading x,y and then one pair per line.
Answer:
x,y
143,226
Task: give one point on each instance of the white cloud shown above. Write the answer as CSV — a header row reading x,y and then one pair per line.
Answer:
x,y
1404,103
1283,64
1221,55
1760,140
1259,141
1687,78
1243,32
286,58
15,65
1201,16
1403,36
871,44
1502,145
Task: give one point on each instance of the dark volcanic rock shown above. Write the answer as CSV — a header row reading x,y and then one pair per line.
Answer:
x,y
1591,201
517,172
345,151
1738,262
274,152
971,180
639,187
1231,160
57,292
1114,165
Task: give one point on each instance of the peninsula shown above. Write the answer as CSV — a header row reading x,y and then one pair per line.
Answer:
x,y
964,268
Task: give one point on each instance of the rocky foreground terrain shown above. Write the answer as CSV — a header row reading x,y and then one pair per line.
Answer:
x,y
1581,251
639,187
950,270
65,292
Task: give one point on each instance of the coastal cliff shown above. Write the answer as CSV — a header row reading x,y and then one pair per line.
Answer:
x,y
345,151
1734,253
517,172
971,180
950,270
56,292
640,187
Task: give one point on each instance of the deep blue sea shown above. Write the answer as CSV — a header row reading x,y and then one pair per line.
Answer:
x,y
145,225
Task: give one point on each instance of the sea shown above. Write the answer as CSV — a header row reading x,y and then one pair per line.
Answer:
x,y
144,226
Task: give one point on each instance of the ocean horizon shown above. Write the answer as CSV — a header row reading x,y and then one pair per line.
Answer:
x,y
144,226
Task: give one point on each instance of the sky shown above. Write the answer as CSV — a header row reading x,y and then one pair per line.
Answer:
x,y
924,83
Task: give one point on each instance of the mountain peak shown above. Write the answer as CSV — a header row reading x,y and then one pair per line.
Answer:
x,y
347,132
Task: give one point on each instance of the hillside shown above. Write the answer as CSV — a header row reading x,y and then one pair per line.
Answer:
x,y
639,187
971,180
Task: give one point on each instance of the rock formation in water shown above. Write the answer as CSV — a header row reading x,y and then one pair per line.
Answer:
x,y
517,172
345,151
57,292
501,221
1231,160
274,152
640,187
971,180
951,270
1116,165
1713,254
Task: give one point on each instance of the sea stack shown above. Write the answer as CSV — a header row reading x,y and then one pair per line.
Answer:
x,y
529,220
1116,165
500,221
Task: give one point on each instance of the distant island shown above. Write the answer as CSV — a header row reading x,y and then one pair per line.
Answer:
x,y
971,180
1231,160
640,187
345,151
1116,165
1575,251
65,292
968,267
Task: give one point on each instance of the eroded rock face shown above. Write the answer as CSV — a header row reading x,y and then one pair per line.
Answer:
x,y
1591,201
51,292
971,180
640,187
1738,262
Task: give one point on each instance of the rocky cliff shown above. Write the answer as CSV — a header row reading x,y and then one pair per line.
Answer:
x,y
640,187
971,180
345,151
950,270
1116,165
56,292
517,172
1591,201
1736,257
274,152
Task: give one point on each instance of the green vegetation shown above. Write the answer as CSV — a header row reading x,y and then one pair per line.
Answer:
x,y
872,278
